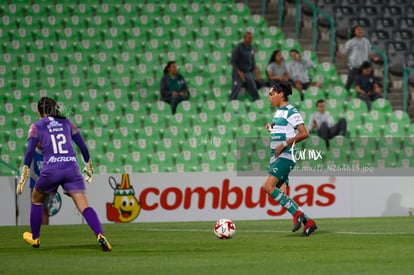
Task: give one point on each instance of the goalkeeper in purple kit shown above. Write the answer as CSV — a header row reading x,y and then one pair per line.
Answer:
x,y
55,134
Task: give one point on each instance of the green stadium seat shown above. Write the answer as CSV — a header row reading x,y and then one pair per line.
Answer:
x,y
395,129
186,108
235,106
308,106
338,92
366,142
161,108
382,105
335,108
371,129
245,131
310,55
400,117
315,142
356,105
228,119
180,120
362,157
258,21
210,106
375,117
391,142
385,158
257,106
201,119
315,93
289,44
328,73
239,9
341,143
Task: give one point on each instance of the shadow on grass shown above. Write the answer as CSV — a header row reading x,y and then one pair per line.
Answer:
x,y
48,248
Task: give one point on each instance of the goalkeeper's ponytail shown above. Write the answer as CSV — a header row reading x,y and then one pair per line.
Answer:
x,y
48,107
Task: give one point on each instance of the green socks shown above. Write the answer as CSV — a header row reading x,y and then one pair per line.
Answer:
x,y
285,201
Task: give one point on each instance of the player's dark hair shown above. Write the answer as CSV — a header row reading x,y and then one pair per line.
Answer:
x,y
320,101
168,66
283,87
353,30
272,57
48,107
294,51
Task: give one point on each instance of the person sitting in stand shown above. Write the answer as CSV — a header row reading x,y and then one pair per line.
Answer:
x,y
323,124
298,72
276,69
366,85
173,87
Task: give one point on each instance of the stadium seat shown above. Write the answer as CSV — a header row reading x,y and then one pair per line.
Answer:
x,y
294,98
356,105
308,106
335,107
371,129
382,105
315,93
394,143
385,158
337,156
375,116
326,73
362,157
315,142
338,92
379,37
399,116
395,129
340,142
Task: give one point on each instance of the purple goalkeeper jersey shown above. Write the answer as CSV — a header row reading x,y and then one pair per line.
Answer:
x,y
55,138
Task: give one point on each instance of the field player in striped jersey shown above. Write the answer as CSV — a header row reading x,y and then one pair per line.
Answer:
x,y
287,128
55,134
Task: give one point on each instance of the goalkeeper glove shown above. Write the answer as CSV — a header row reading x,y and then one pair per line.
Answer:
x,y
23,179
89,171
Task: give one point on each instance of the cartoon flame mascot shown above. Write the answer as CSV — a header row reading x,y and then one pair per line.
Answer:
x,y
125,207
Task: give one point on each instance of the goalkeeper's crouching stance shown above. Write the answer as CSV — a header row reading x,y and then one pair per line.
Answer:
x,y
55,133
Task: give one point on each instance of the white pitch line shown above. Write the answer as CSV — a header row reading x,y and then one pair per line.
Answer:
x,y
374,233
272,231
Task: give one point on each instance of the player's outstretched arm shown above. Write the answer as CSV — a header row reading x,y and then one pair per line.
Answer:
x,y
28,157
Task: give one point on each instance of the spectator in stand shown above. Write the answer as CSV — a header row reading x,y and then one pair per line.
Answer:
x,y
298,72
276,69
173,87
245,73
358,50
366,85
323,125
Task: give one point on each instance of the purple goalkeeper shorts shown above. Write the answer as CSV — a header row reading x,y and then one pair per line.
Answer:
x,y
68,176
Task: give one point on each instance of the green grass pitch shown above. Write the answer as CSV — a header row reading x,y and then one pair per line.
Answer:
x,y
339,246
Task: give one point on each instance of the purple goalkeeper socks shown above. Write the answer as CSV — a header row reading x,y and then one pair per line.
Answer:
x,y
36,215
93,221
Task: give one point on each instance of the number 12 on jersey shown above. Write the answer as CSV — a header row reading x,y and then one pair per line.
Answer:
x,y
57,142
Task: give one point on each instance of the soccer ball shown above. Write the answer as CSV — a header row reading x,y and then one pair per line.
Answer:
x,y
224,229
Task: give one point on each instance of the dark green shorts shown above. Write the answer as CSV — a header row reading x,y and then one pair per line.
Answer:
x,y
280,169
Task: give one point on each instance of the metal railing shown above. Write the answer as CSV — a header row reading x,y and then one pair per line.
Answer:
x,y
384,70
315,14
406,72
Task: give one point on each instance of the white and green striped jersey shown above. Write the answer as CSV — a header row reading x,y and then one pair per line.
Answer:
x,y
283,127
